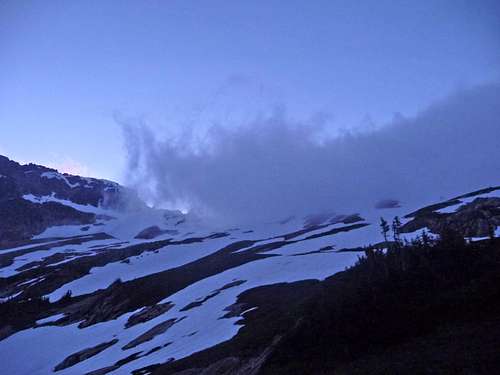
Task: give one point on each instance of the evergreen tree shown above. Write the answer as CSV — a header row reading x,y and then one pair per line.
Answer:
x,y
384,228
396,229
425,238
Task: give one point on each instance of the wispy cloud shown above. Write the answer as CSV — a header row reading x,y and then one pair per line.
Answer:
x,y
272,166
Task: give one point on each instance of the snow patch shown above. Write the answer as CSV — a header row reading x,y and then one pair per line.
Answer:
x,y
50,319
58,176
5,299
76,206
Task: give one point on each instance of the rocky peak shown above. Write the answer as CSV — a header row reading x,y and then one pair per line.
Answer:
x,y
35,197
18,180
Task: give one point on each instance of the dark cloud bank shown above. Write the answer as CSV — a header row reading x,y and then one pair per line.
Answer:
x,y
274,167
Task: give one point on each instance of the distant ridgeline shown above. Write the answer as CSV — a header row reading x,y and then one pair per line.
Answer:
x,y
31,195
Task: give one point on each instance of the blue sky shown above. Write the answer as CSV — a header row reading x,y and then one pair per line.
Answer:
x,y
68,69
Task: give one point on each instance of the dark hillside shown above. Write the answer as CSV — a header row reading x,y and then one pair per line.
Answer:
x,y
427,307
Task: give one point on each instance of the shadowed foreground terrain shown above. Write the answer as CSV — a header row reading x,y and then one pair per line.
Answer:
x,y
426,307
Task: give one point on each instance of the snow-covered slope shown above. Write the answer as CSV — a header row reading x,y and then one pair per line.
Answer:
x,y
141,287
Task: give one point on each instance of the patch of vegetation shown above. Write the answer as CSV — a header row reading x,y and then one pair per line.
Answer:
x,y
14,314
423,295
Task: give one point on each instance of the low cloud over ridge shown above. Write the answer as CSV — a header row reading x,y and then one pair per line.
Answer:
x,y
274,167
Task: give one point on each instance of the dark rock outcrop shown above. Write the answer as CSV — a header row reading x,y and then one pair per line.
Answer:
x,y
214,293
387,203
27,219
151,333
475,219
153,232
84,354
148,313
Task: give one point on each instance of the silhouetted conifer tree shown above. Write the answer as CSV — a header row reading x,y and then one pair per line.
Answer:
x,y
396,230
384,228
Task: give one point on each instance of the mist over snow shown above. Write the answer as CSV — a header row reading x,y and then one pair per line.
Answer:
x,y
273,166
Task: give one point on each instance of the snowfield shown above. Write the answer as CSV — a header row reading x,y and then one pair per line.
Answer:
x,y
194,322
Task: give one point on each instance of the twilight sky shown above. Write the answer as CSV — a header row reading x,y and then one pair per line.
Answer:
x,y
71,72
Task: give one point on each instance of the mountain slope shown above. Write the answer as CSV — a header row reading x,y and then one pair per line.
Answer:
x,y
96,282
